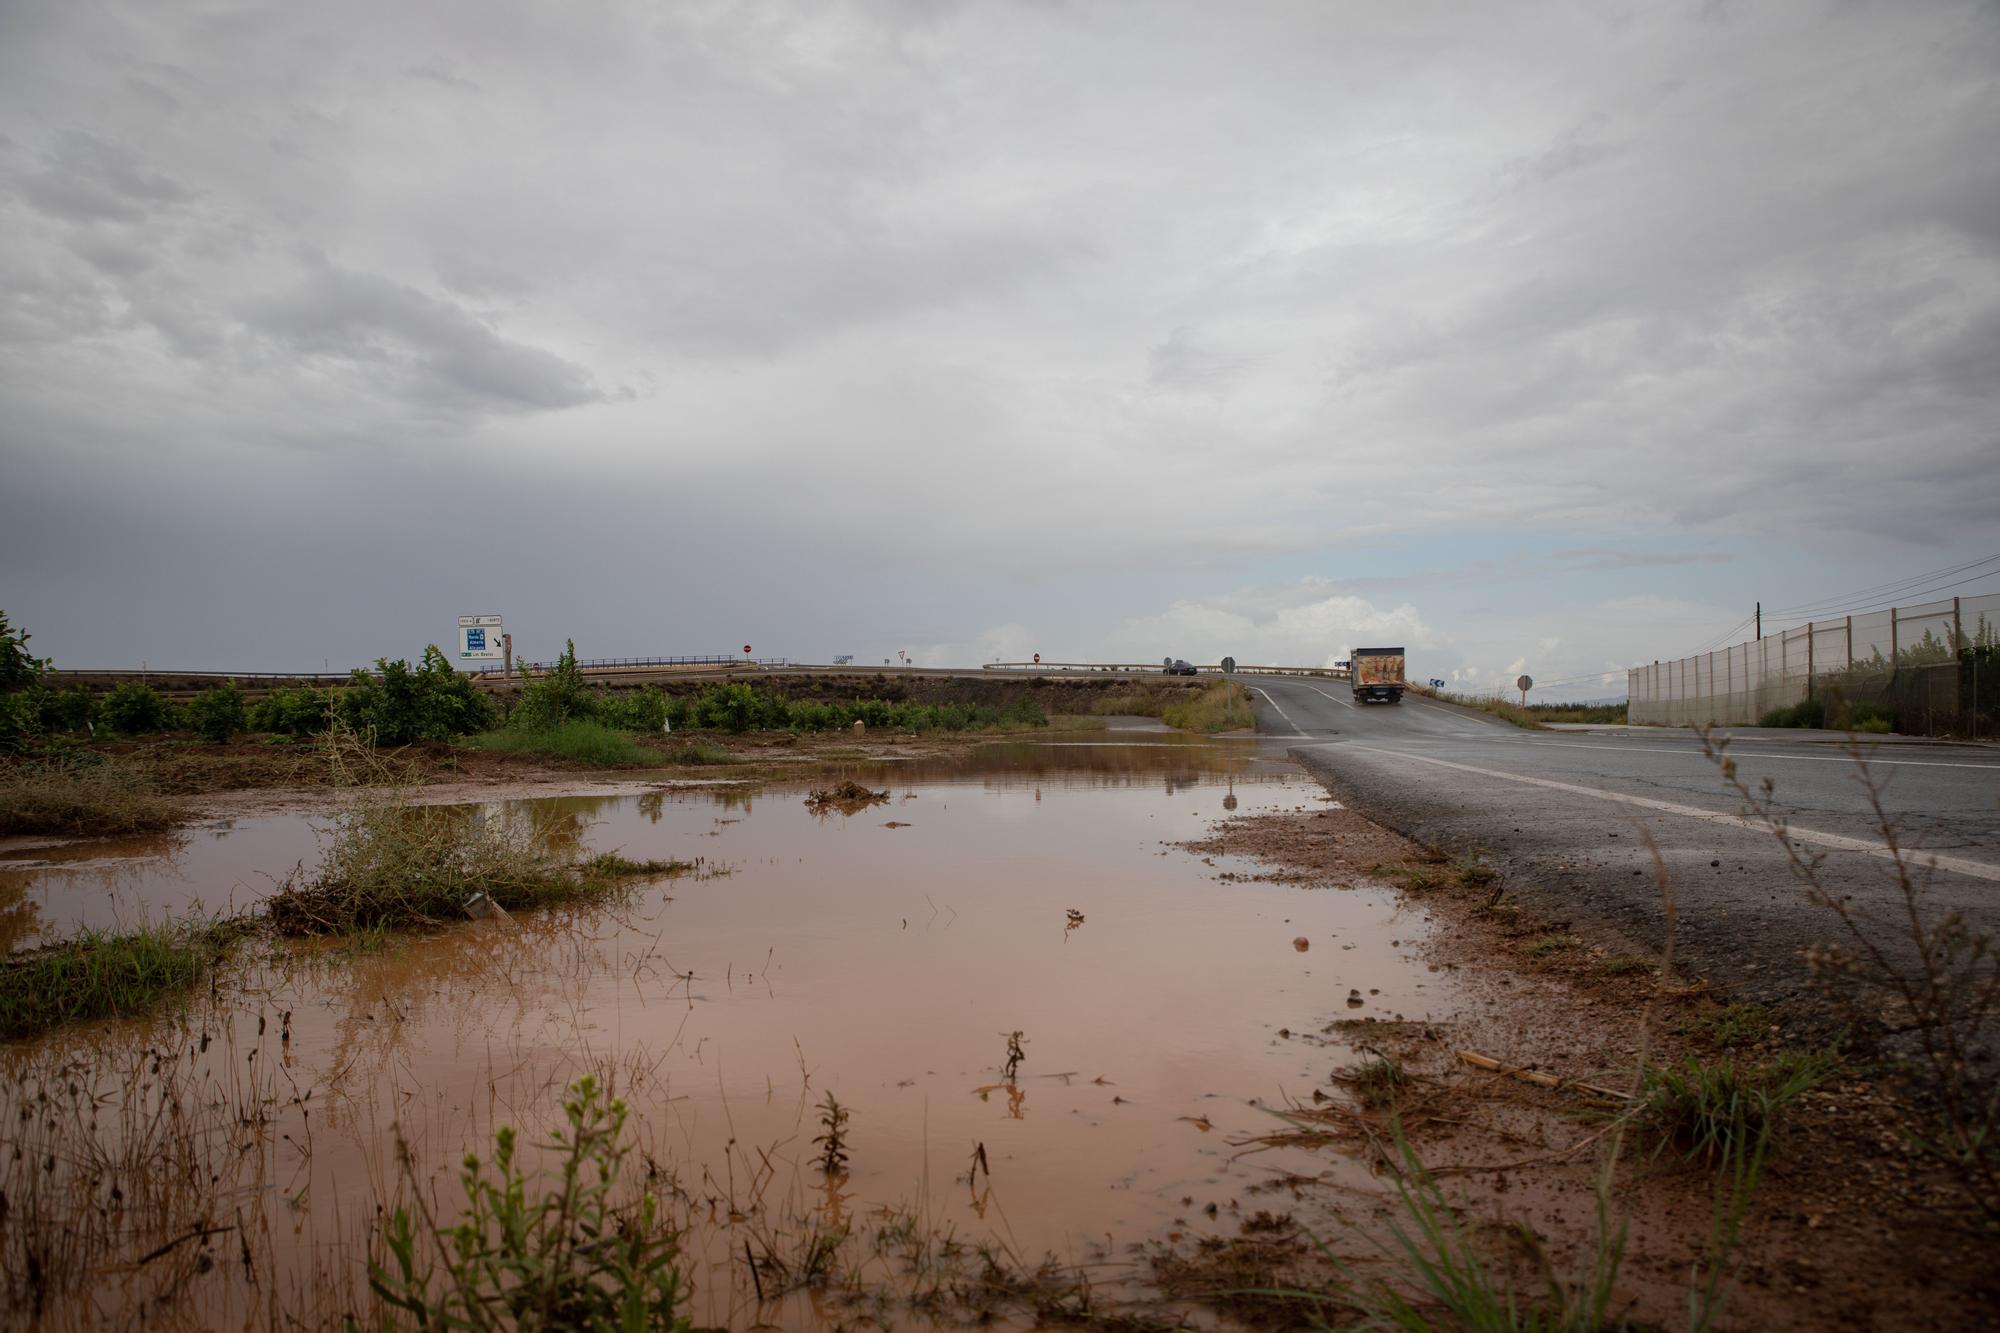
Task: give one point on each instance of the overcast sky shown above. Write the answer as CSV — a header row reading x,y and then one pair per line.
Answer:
x,y
1534,336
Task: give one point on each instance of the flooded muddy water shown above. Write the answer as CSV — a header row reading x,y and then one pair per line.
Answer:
x,y
882,956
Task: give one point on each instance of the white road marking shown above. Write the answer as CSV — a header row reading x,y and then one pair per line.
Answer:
x,y
1837,841
1664,747
1281,712
1344,703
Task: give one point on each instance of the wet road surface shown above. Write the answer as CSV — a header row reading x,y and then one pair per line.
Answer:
x,y
1560,814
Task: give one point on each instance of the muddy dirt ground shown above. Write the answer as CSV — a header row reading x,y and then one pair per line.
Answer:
x,y
1848,1230
259,774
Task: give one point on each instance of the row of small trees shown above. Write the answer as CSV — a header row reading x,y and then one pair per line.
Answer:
x,y
399,704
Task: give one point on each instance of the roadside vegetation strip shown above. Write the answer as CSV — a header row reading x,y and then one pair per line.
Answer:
x,y
99,974
82,796
1529,717
1223,706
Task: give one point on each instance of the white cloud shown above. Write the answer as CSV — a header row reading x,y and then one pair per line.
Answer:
x,y
1288,625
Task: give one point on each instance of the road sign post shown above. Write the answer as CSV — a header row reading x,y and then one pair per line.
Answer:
x,y
481,639
1524,684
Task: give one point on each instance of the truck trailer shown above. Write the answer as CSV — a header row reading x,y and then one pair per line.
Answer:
x,y
1377,674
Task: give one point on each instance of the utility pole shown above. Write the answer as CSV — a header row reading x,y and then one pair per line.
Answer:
x,y
1760,620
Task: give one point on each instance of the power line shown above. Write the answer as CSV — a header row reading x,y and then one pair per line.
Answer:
x,y
1881,591
1901,599
1724,637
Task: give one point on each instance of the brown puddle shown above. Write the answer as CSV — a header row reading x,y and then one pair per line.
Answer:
x,y
882,956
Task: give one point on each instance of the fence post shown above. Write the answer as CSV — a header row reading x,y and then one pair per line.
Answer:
x,y
1810,636
1957,630
1850,643
1892,639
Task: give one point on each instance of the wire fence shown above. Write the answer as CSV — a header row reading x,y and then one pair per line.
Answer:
x,y
1930,669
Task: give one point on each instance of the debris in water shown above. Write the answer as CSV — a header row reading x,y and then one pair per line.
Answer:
x,y
849,798
481,907
1301,943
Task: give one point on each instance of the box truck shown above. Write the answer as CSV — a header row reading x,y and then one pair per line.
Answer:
x,y
1376,673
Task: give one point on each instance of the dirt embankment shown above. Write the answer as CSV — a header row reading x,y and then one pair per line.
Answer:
x,y
1084,695
1848,1228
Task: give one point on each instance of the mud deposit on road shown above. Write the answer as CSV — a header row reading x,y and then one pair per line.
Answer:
x,y
881,955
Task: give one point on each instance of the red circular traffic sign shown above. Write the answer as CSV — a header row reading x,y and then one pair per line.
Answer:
x,y
1038,659
746,647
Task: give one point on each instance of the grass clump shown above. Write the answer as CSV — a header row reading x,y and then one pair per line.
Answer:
x,y
1728,1026
1375,1082
542,1253
101,974
80,798
1724,1111
575,741
390,864
1223,706
1626,965
1555,942
695,752
1417,876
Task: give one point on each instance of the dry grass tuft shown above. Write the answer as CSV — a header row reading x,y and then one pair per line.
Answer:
x,y
79,798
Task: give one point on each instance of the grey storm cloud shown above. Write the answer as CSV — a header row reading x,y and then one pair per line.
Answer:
x,y
368,323
1043,319
83,178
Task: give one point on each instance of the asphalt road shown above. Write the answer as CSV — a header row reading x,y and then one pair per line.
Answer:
x,y
1559,814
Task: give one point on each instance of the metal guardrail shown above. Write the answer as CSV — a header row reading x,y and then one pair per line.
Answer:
x,y
334,677
1212,669
641,663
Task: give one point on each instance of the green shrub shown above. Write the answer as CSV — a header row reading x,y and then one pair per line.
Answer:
x,y
138,710
21,692
1870,719
73,709
20,718
1806,713
643,709
293,712
431,702
559,697
555,1256
219,712
738,707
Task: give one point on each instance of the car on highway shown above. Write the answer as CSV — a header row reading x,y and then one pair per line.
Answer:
x,y
1180,666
